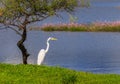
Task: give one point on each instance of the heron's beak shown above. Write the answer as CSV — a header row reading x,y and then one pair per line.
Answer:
x,y
54,39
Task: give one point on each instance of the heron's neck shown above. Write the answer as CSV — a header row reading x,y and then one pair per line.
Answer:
x,y
47,46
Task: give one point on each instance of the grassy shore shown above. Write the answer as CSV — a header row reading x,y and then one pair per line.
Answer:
x,y
75,27
33,74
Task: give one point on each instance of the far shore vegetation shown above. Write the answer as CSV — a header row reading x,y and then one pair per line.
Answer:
x,y
75,27
34,74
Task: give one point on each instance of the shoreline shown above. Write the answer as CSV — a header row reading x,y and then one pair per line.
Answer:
x,y
75,27
34,74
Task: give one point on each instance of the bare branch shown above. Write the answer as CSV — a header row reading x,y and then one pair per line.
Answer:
x,y
10,27
15,30
2,28
38,18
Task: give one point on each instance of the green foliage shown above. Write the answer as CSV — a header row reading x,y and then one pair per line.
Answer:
x,y
16,12
80,28
72,29
34,74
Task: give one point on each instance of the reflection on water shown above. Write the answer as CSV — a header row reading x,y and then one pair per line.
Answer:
x,y
94,52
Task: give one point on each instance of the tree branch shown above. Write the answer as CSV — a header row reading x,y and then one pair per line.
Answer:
x,y
15,30
38,19
9,27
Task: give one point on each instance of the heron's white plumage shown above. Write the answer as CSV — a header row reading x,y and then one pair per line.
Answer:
x,y
41,54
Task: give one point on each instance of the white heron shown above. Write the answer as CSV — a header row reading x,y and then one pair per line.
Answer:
x,y
42,52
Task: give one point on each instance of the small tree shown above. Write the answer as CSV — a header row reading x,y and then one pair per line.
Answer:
x,y
17,14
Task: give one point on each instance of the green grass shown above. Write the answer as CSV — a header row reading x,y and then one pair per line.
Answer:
x,y
84,29
72,29
104,28
75,27
34,74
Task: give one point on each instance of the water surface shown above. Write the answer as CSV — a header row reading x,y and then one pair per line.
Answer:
x,y
86,51
82,51
99,11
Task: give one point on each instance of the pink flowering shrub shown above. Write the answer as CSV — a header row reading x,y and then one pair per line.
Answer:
x,y
111,24
63,27
106,26
96,26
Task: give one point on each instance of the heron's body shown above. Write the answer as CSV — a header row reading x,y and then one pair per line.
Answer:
x,y
41,56
42,53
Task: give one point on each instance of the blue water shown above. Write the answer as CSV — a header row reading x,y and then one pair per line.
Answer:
x,y
99,10
82,51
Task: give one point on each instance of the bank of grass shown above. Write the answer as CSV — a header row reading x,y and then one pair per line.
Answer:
x,y
33,74
75,27
83,29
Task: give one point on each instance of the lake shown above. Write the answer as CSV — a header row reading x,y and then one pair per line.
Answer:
x,y
86,51
97,52
99,11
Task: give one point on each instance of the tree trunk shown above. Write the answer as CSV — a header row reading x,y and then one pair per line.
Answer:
x,y
21,46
